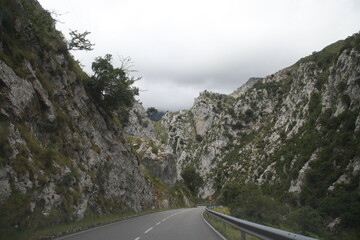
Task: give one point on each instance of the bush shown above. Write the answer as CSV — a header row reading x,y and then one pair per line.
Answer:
x,y
110,86
192,179
306,221
247,201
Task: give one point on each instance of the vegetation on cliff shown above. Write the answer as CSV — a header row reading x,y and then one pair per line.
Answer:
x,y
283,150
63,156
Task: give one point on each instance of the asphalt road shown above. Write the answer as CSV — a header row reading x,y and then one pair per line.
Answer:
x,y
176,224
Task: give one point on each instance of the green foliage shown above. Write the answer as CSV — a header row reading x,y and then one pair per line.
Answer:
x,y
5,149
44,157
13,50
314,103
175,194
160,132
79,41
248,202
151,111
14,212
18,217
227,230
326,57
237,126
335,144
96,148
110,86
306,221
271,87
192,179
44,26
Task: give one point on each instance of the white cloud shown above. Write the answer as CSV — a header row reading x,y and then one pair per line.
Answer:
x,y
181,47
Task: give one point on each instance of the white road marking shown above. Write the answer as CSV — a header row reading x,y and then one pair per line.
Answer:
x,y
158,223
137,238
148,230
164,220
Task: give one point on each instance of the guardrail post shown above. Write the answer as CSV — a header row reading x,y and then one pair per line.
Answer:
x,y
243,235
224,226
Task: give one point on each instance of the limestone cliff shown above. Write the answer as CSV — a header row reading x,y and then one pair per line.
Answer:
x,y
157,159
295,132
61,155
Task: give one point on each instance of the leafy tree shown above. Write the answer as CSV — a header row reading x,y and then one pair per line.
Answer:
x,y
110,86
192,179
306,220
79,41
151,111
247,201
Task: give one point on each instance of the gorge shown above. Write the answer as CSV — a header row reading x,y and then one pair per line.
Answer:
x,y
294,134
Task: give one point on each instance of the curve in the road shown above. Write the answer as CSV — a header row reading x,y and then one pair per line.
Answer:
x,y
176,224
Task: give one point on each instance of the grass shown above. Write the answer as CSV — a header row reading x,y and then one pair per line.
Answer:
x,y
160,132
73,227
227,230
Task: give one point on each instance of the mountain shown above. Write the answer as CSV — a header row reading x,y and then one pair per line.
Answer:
x,y
62,156
295,134
157,116
282,150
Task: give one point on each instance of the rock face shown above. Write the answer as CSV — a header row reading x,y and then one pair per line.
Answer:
x,y
278,130
295,132
163,169
139,123
156,157
61,155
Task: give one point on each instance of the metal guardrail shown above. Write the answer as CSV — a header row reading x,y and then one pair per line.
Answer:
x,y
257,230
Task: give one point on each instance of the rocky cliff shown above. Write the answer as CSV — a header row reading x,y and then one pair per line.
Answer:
x,y
62,156
156,158
296,133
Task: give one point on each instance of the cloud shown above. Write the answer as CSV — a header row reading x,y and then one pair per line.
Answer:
x,y
183,47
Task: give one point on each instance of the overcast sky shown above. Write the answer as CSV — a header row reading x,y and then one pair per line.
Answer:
x,y
183,47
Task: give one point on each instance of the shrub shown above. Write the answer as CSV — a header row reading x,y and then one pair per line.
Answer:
x,y
192,179
110,86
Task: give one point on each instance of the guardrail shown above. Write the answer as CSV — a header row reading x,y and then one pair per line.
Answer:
x,y
254,229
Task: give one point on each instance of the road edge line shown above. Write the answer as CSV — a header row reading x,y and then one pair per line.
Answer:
x,y
63,235
216,231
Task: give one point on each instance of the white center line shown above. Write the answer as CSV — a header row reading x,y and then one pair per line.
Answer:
x,y
137,238
158,223
164,220
148,230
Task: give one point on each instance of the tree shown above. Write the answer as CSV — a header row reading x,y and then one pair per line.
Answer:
x,y
151,111
110,86
79,41
192,179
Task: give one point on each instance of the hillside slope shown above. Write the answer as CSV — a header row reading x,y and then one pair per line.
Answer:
x,y
62,156
295,133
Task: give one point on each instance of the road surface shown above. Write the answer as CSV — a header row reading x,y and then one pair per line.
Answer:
x,y
176,224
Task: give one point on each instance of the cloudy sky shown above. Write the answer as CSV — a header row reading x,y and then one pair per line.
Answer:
x,y
183,47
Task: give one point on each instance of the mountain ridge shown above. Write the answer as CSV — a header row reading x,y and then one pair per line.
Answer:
x,y
290,138
280,132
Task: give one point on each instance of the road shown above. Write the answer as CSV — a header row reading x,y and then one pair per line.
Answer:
x,y
176,224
